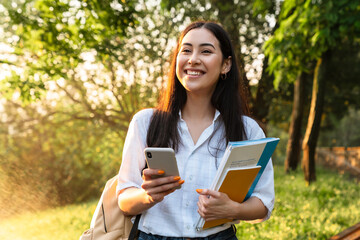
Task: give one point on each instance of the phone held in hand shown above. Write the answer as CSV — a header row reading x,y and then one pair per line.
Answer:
x,y
163,159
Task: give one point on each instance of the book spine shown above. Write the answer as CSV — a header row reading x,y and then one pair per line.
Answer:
x,y
263,161
221,168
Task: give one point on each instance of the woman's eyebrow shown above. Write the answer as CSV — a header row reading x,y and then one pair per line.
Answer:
x,y
201,45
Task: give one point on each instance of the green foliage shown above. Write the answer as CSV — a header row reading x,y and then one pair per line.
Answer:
x,y
345,132
320,211
306,30
264,7
62,147
59,160
55,33
109,58
280,151
69,141
29,87
343,80
342,90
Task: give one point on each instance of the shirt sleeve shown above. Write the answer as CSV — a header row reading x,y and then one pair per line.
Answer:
x,y
133,158
264,189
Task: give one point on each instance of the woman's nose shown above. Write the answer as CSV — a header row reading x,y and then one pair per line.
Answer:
x,y
194,59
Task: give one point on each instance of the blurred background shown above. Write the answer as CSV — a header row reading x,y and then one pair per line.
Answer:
x,y
74,72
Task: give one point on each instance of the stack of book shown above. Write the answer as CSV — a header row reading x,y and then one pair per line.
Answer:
x,y
239,171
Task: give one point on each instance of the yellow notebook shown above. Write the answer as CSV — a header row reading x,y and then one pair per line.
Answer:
x,y
236,185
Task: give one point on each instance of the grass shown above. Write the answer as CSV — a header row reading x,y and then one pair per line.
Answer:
x,y
318,211
62,223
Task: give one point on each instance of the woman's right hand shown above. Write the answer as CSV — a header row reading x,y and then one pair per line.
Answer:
x,y
157,188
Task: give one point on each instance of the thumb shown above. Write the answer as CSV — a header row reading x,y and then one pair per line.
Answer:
x,y
208,192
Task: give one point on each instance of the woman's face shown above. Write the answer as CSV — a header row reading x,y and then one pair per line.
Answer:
x,y
199,62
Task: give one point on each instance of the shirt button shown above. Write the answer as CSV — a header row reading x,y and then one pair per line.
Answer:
x,y
191,177
187,204
188,227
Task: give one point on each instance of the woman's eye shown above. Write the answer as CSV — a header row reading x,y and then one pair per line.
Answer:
x,y
186,50
206,51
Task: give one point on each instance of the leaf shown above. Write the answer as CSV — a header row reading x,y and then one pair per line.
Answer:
x,y
315,38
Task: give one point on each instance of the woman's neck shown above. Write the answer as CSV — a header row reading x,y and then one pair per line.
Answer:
x,y
198,108
198,113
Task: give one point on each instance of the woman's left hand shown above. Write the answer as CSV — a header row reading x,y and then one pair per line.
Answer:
x,y
215,205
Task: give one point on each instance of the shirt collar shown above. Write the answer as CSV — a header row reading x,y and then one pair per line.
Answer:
x,y
216,116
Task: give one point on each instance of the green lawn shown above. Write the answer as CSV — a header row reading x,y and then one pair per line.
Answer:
x,y
317,212
63,223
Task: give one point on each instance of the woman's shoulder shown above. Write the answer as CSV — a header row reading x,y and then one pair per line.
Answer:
x,y
142,118
143,115
252,128
249,121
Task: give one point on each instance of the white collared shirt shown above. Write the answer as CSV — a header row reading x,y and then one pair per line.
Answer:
x,y
177,214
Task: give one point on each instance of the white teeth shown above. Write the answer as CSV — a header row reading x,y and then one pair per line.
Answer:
x,y
193,73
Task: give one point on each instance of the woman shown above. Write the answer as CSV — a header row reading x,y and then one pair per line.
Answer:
x,y
202,109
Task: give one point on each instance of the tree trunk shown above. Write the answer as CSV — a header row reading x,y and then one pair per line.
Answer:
x,y
314,120
265,90
264,94
294,143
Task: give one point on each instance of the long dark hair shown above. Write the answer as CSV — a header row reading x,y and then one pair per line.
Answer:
x,y
229,97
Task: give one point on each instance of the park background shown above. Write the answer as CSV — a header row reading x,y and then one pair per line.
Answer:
x,y
74,72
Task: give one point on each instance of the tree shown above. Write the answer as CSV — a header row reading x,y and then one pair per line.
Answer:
x,y
293,146
55,34
107,58
97,65
309,31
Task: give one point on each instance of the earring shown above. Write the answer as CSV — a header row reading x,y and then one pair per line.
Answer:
x,y
223,76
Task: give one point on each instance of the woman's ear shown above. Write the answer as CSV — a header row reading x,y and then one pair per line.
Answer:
x,y
226,65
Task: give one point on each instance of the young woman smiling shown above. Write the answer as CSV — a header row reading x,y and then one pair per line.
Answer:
x,y
203,108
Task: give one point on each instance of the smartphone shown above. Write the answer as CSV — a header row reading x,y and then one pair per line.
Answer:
x,y
162,158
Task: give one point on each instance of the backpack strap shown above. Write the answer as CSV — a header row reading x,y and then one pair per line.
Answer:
x,y
134,229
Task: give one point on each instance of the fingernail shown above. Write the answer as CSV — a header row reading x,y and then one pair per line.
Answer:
x,y
182,181
199,190
161,172
177,178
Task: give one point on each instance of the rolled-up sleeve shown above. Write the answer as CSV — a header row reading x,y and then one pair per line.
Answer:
x,y
264,189
133,159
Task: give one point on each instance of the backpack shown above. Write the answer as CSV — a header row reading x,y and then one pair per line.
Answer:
x,y
108,222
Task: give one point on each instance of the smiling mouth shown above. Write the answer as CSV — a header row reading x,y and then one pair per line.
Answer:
x,y
193,73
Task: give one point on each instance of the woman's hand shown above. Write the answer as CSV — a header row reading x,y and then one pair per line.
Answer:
x,y
133,201
157,188
214,205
